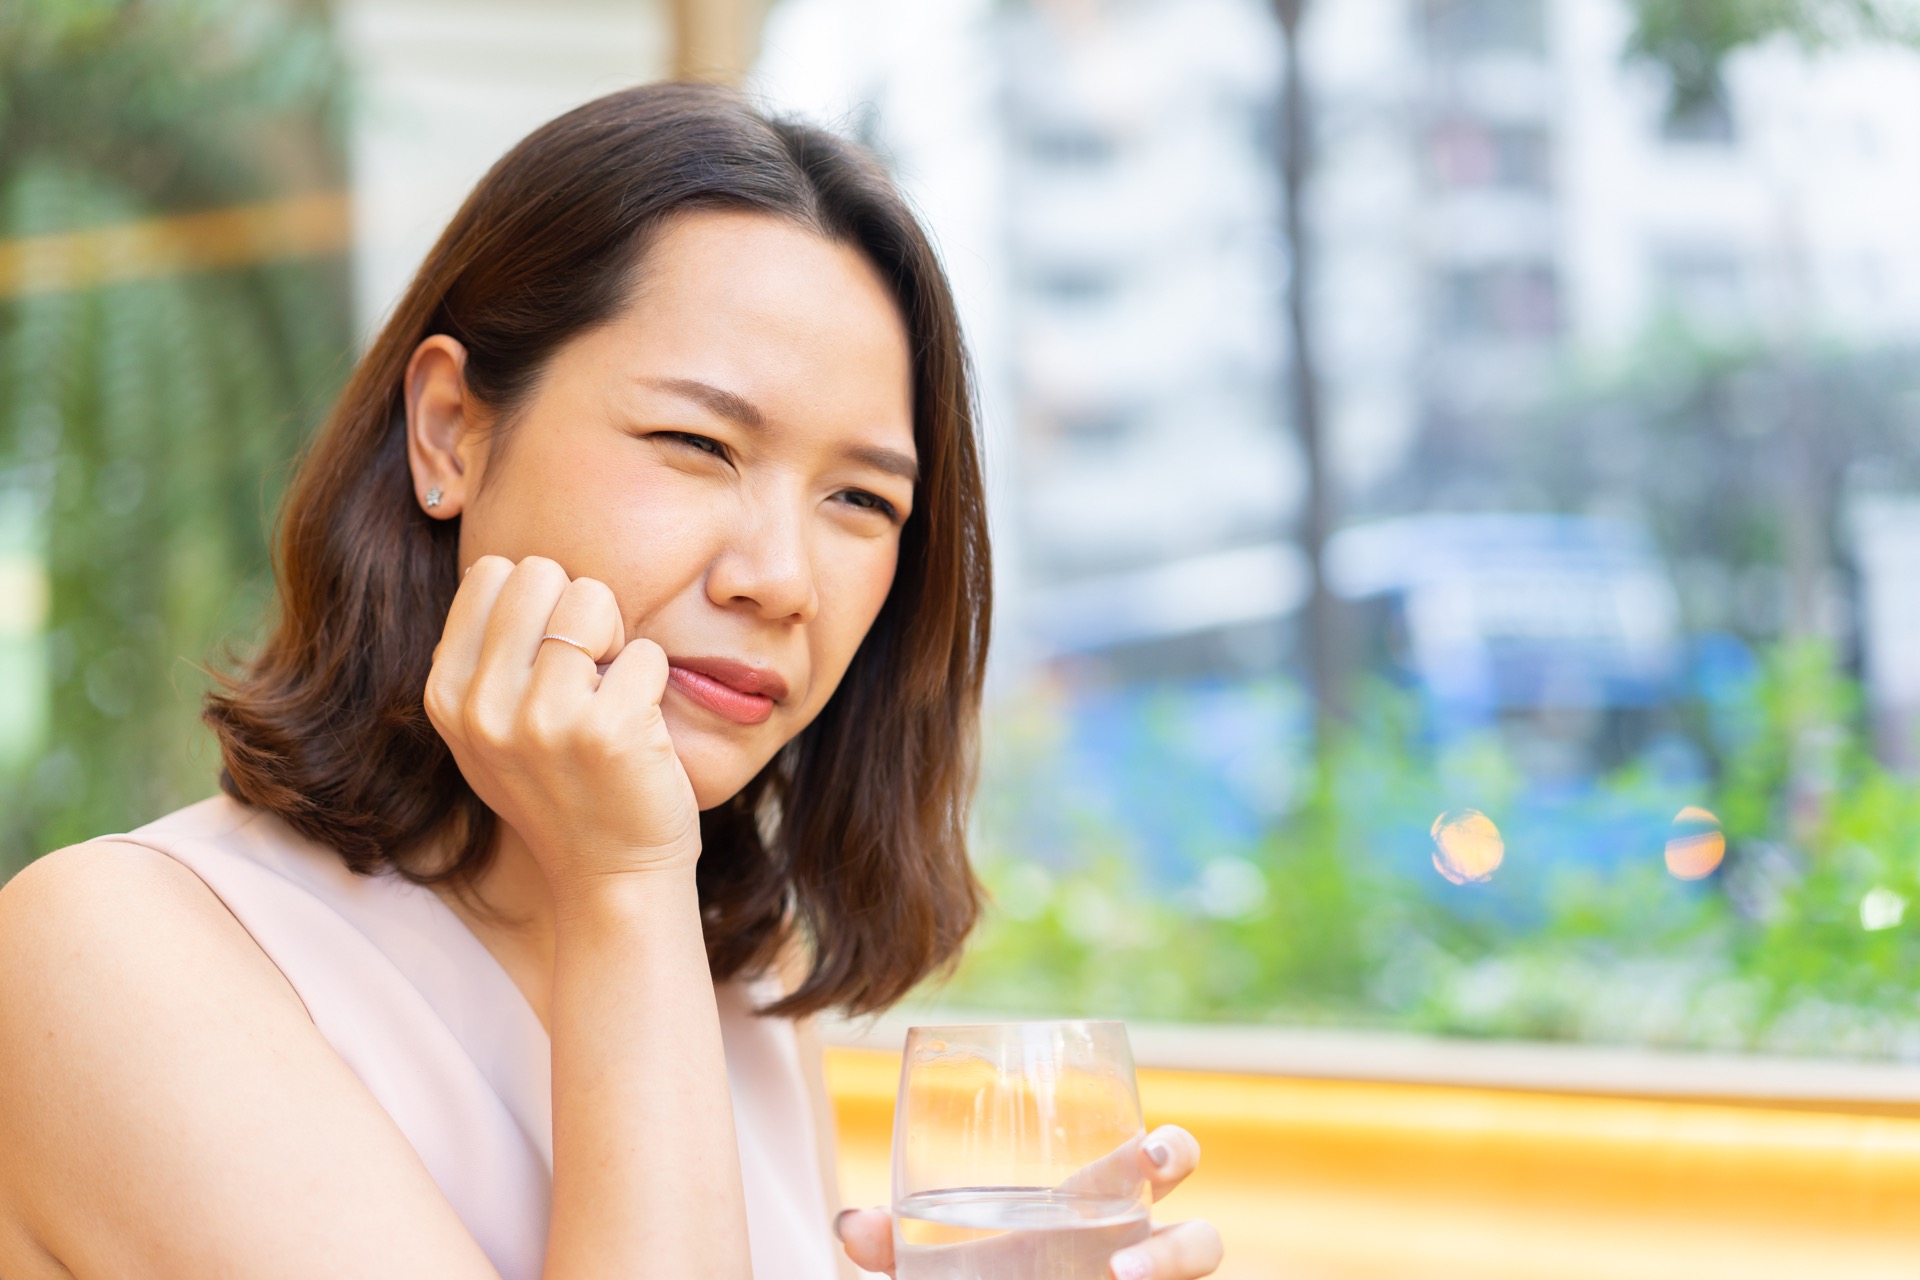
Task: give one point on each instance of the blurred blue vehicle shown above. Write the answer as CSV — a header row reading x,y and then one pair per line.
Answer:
x,y
1562,633
1558,637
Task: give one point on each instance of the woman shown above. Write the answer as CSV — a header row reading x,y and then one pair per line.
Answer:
x,y
633,612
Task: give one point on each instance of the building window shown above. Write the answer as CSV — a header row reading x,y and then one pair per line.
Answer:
x,y
1500,300
1095,427
1473,153
1074,286
1071,148
1706,284
1463,28
1708,122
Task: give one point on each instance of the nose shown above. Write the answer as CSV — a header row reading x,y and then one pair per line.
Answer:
x,y
766,565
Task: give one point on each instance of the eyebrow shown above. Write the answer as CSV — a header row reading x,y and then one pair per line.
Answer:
x,y
891,461
738,409
715,400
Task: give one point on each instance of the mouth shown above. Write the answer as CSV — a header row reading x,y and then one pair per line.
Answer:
x,y
732,690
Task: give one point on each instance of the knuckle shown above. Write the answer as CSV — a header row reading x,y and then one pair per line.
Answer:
x,y
487,729
438,705
596,594
488,570
489,566
601,741
598,597
541,726
542,569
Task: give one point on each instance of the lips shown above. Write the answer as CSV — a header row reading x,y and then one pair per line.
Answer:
x,y
732,690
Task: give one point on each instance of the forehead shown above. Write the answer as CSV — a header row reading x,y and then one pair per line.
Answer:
x,y
802,326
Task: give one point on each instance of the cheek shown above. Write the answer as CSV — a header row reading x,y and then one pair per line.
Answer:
x,y
648,547
852,587
637,528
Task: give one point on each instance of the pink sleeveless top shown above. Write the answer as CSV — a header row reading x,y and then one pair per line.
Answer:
x,y
442,1038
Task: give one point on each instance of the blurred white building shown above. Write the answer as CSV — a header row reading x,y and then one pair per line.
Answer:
x,y
1145,272
1496,190
1496,171
1522,188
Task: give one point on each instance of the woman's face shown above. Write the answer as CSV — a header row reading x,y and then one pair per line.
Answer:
x,y
733,456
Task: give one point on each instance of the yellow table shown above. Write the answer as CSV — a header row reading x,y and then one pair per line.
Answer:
x,y
1334,1180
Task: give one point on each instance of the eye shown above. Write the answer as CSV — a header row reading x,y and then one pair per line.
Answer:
x,y
869,502
705,444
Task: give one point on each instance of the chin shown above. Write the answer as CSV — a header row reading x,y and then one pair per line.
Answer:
x,y
717,767
716,794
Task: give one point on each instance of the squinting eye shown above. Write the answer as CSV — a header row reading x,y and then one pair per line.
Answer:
x,y
704,444
869,502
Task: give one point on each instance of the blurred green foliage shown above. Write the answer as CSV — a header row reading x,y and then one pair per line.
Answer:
x,y
1799,943
146,427
1691,39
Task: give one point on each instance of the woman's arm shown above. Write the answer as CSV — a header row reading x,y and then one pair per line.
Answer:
x,y
571,751
168,1110
646,1177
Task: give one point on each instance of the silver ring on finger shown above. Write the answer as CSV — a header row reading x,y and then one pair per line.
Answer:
x,y
575,643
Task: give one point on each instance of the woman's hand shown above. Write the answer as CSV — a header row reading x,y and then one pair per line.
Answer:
x,y
1179,1251
577,762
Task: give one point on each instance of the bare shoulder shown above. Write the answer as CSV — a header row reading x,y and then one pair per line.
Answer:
x,y
89,910
97,941
90,935
168,1100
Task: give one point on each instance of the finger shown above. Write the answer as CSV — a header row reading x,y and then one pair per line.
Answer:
x,y
868,1236
473,603
1183,1251
1167,1157
514,628
638,674
457,656
1118,1173
589,612
587,616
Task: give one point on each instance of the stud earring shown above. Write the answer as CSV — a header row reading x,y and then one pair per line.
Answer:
x,y
433,497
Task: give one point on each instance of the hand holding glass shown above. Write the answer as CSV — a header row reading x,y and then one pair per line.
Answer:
x,y
1016,1152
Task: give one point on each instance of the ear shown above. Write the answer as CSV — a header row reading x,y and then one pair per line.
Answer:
x,y
446,445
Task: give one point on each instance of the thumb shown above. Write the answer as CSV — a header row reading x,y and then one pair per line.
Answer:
x,y
868,1236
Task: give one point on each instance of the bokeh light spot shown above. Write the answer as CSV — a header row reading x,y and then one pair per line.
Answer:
x,y
1231,889
1697,845
1882,908
1467,847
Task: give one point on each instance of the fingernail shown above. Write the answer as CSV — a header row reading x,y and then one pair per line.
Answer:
x,y
1131,1264
1158,1153
838,1219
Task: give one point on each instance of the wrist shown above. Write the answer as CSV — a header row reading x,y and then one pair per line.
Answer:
x,y
618,896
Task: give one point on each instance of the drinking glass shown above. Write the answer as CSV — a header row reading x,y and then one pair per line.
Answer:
x,y
1016,1152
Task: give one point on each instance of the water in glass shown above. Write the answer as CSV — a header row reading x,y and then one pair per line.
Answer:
x,y
1016,1152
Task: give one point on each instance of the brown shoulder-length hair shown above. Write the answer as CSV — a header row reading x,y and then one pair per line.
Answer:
x,y
853,838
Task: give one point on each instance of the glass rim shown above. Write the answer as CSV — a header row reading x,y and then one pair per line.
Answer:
x,y
944,1028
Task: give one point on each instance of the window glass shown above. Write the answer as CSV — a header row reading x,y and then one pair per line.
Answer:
x,y
1599,723
1460,28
